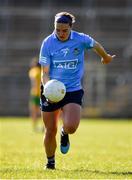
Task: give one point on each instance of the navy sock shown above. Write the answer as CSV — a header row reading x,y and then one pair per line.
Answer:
x,y
51,160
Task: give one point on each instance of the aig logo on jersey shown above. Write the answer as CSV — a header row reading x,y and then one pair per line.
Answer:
x,y
66,64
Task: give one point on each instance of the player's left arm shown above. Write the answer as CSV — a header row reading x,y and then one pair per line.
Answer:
x,y
105,57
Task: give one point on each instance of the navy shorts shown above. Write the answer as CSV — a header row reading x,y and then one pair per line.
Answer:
x,y
70,97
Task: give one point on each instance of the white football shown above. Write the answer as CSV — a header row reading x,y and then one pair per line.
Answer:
x,y
54,90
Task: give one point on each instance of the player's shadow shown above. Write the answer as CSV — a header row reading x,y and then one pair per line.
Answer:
x,y
103,172
98,172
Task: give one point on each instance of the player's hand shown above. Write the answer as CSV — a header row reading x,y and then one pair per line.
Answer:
x,y
107,59
47,98
50,101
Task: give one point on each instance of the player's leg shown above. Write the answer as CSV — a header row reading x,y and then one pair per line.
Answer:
x,y
50,121
33,115
39,123
71,120
71,117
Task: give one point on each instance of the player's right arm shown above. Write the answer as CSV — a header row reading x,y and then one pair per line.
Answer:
x,y
44,74
44,60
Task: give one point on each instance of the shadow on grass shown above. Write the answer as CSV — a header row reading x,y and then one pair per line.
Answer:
x,y
65,171
96,171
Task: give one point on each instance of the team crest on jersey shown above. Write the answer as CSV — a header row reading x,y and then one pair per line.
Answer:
x,y
76,51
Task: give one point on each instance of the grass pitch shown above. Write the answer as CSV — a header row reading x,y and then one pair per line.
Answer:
x,y
100,149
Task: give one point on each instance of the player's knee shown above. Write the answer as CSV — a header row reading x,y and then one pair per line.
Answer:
x,y
70,129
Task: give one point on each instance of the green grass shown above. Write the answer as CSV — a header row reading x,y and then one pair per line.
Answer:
x,y
100,149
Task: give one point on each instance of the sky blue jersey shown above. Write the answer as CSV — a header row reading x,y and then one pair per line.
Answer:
x,y
66,58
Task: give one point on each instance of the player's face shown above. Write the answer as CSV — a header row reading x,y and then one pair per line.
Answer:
x,y
62,31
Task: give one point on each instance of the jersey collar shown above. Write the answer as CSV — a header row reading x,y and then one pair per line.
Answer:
x,y
55,37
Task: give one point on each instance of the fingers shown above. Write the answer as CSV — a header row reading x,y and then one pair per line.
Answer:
x,y
113,56
108,59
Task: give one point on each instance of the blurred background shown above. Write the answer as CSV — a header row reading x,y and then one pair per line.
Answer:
x,y
23,26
